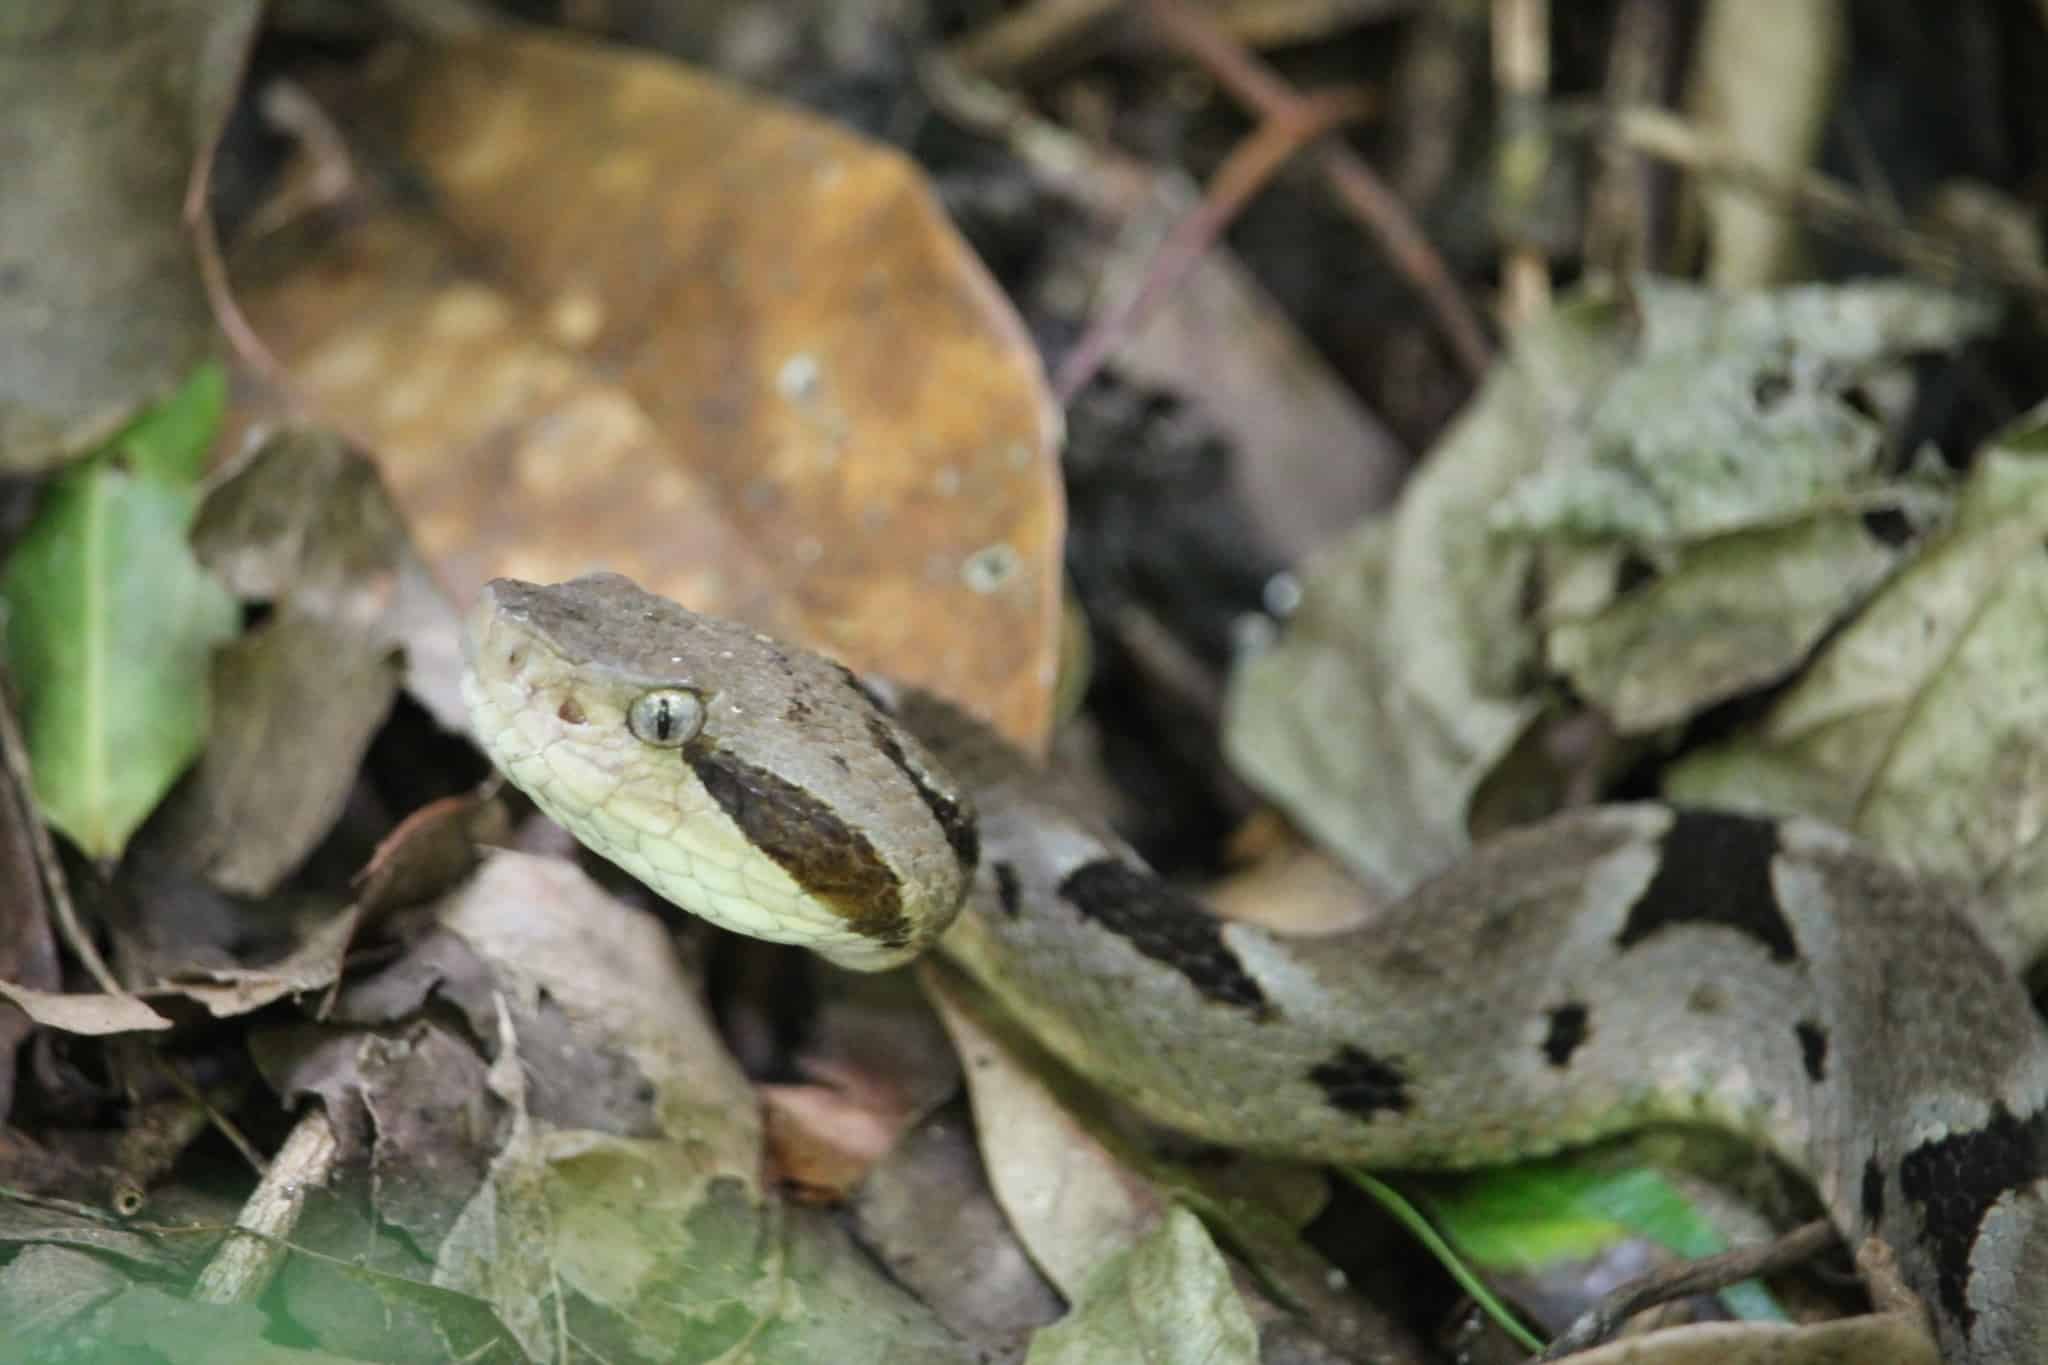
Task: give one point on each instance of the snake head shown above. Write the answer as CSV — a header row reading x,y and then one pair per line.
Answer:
x,y
748,781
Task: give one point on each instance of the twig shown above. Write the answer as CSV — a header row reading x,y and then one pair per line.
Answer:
x,y
1521,70
1252,83
1702,1276
1241,176
249,348
226,1126
1020,37
14,758
1618,211
244,1266
1826,204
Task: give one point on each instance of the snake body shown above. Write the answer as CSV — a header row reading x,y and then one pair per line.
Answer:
x,y
1572,980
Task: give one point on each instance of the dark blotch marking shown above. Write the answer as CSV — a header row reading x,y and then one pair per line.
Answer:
x,y
1956,1179
826,856
1860,401
1813,1049
797,712
570,712
1007,890
859,684
956,821
1165,926
1633,571
1769,389
1888,526
1567,1031
1873,1193
1359,1083
1714,868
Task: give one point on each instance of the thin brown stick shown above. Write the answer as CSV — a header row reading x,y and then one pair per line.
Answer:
x,y
1252,83
14,760
1828,205
248,347
1242,175
1018,38
1702,1276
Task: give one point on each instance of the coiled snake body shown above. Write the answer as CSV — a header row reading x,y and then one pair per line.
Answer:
x,y
1568,981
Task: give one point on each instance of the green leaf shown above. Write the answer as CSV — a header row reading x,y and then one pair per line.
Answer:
x,y
171,441
1409,1217
111,625
1526,1217
1169,1297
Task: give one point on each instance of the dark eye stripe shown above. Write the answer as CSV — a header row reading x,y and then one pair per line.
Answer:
x,y
822,853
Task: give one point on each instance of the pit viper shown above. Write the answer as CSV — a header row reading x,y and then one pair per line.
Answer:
x,y
1604,969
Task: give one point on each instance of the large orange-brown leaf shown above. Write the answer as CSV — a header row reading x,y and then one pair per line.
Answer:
x,y
644,321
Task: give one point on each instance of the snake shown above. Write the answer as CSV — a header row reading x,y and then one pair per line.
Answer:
x,y
1607,968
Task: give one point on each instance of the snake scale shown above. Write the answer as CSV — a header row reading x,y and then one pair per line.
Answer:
x,y
1567,981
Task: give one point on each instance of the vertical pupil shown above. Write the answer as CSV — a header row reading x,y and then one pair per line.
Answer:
x,y
663,721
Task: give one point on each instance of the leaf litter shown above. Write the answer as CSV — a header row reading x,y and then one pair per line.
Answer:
x,y
1663,504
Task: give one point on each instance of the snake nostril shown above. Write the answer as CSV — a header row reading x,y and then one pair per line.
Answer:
x,y
514,658
569,712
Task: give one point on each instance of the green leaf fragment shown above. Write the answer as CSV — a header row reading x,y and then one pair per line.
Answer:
x,y
1537,1214
172,441
1169,1297
111,625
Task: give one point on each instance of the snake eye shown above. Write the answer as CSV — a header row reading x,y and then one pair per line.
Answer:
x,y
667,717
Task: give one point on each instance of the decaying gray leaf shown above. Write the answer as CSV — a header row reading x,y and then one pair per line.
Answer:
x,y
296,704
312,964
1736,612
89,1013
1074,1203
305,521
630,1176
1168,1297
927,1211
1722,440
1734,412
46,1287
1082,1197
109,107
1923,726
1402,679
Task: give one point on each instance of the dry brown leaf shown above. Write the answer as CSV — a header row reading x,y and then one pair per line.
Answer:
x,y
875,1060
89,1013
296,704
312,965
927,1212
824,1136
305,523
658,325
1297,890
430,851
